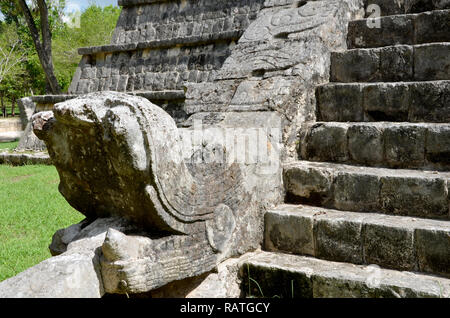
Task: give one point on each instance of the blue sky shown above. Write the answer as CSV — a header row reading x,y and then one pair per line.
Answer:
x,y
83,4
80,5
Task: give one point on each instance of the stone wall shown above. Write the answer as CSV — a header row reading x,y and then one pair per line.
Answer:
x,y
278,62
160,45
149,69
182,19
239,55
10,124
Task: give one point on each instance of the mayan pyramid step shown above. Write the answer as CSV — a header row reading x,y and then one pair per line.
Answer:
x,y
145,20
378,144
147,69
396,242
293,276
368,202
158,45
426,27
394,7
424,62
366,189
396,101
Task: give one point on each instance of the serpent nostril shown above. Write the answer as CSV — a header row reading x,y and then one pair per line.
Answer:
x,y
301,3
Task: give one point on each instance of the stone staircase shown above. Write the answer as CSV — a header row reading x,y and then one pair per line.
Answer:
x,y
367,204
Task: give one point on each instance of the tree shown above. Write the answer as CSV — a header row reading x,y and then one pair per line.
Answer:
x,y
10,56
44,47
66,38
10,12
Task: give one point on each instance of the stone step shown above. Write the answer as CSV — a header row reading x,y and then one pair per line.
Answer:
x,y
192,40
23,158
396,242
427,27
397,101
393,7
365,189
10,124
9,136
424,62
166,95
380,144
293,276
153,96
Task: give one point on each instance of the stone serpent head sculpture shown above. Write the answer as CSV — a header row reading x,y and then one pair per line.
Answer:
x,y
121,155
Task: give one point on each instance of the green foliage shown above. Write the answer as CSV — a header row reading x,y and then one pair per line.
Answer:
x,y
8,145
31,210
67,40
12,58
10,11
28,78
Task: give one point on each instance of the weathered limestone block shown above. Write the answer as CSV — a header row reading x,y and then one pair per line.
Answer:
x,y
356,188
10,125
29,141
340,102
405,144
121,156
432,62
388,64
358,191
394,242
431,26
398,102
432,250
205,97
387,101
163,20
281,57
310,185
225,282
276,3
430,101
390,7
355,66
63,237
73,274
282,233
417,196
397,29
65,276
292,276
389,246
438,145
27,107
339,239
326,143
365,143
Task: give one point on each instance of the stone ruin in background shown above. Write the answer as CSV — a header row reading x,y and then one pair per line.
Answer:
x,y
167,197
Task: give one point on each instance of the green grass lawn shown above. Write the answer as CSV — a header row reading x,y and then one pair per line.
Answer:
x,y
31,211
8,145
